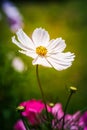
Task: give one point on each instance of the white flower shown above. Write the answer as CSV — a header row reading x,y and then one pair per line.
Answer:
x,y
18,64
42,50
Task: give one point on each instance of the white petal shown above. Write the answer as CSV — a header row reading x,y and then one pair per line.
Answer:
x,y
61,61
29,53
40,37
18,43
41,61
56,46
24,39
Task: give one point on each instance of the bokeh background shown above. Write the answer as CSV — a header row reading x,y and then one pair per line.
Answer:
x,y
62,18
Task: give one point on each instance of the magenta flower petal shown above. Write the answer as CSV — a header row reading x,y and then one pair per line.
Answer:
x,y
84,120
19,125
33,108
57,111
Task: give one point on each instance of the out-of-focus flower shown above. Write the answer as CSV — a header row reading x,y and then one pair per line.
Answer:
x,y
14,18
71,122
32,111
57,111
19,125
84,120
18,64
42,50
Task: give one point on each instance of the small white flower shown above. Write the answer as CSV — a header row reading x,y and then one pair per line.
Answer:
x,y
42,50
18,64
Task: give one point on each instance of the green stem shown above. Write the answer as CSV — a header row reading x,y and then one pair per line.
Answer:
x,y
68,100
41,90
24,122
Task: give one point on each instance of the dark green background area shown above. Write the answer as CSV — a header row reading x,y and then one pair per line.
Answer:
x,y
62,19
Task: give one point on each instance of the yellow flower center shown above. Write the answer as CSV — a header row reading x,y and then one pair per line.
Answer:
x,y
42,51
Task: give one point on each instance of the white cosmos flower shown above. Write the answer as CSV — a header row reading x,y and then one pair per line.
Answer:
x,y
44,51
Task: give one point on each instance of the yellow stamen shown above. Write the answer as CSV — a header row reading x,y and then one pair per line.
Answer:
x,y
42,51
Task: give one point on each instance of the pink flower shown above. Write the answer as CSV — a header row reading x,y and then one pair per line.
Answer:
x,y
58,114
19,125
84,120
57,111
32,111
71,122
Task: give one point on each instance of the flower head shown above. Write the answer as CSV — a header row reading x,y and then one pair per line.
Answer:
x,y
19,125
44,51
32,110
71,122
84,120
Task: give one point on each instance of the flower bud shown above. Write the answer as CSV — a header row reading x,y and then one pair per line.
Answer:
x,y
20,108
73,89
51,104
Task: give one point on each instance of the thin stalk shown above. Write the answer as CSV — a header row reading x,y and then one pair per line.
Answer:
x,y
24,122
68,100
41,90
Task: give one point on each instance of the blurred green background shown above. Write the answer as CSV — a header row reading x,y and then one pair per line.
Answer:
x,y
66,19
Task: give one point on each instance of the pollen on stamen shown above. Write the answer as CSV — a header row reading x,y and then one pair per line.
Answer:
x,y
42,51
